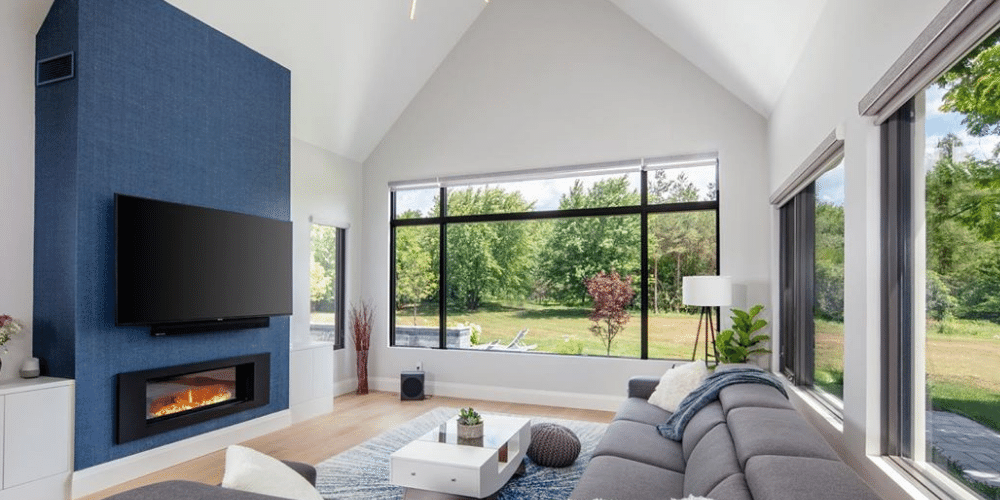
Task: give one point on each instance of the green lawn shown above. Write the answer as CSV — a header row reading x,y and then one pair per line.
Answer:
x,y
963,366
566,330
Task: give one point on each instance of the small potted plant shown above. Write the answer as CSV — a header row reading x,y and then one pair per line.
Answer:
x,y
739,343
470,424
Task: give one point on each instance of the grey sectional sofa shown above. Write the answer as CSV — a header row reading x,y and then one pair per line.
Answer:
x,y
190,490
750,444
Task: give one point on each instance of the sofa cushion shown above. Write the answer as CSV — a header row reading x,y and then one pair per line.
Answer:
x,y
771,477
616,478
774,431
711,462
732,488
640,443
638,410
752,395
700,424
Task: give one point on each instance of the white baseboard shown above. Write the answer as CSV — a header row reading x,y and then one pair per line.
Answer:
x,y
342,387
310,409
508,394
108,474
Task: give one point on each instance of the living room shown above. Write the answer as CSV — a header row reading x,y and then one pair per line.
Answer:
x,y
509,86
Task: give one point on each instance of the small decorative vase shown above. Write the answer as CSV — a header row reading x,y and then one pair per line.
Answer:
x,y
470,431
363,372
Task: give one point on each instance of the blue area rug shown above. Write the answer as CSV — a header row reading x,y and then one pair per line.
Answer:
x,y
362,473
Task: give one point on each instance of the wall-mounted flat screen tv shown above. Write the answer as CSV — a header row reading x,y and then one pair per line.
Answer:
x,y
178,265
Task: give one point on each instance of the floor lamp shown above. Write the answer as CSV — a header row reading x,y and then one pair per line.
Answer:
x,y
707,292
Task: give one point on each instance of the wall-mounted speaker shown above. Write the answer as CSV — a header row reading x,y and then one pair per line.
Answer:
x,y
411,386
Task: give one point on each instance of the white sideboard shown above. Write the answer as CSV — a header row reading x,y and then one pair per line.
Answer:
x,y
310,380
37,438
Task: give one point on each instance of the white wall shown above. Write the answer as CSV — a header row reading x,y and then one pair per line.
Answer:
x,y
855,42
534,83
324,187
19,21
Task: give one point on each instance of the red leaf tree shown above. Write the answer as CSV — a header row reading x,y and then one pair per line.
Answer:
x,y
611,294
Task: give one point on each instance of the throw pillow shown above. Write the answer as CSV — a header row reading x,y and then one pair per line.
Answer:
x,y
677,383
254,472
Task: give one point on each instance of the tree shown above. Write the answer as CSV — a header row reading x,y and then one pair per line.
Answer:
x,y
611,295
487,259
577,248
416,278
323,267
683,241
973,88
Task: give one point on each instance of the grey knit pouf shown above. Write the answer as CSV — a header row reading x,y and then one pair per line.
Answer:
x,y
553,445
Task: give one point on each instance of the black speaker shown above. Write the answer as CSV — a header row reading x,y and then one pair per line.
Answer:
x,y
411,386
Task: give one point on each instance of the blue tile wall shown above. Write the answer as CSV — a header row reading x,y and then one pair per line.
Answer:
x,y
162,106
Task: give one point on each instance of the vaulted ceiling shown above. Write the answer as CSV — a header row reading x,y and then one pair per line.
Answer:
x,y
356,64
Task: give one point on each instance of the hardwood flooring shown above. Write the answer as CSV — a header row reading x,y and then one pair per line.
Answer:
x,y
353,420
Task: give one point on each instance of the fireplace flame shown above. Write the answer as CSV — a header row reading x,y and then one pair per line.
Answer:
x,y
196,398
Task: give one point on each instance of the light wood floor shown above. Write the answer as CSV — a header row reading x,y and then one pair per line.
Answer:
x,y
353,420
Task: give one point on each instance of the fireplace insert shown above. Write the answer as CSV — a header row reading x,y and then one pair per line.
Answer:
x,y
163,399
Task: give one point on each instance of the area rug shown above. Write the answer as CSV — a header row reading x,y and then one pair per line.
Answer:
x,y
362,473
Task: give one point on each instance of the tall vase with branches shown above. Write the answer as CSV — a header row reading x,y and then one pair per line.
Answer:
x,y
362,318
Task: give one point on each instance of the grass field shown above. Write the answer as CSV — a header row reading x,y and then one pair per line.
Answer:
x,y
963,357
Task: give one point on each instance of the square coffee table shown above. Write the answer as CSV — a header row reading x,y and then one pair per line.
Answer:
x,y
440,465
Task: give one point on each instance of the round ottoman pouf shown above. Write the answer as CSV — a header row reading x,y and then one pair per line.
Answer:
x,y
553,445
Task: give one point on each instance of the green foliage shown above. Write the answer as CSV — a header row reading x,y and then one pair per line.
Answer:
x,y
973,88
611,295
416,276
323,268
580,247
468,416
680,244
963,235
488,260
738,344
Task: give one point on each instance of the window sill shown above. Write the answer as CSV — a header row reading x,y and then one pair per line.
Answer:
x,y
823,405
923,480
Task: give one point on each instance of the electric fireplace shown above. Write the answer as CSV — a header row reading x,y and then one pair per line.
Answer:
x,y
163,399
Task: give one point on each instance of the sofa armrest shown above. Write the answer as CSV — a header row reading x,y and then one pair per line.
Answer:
x,y
642,387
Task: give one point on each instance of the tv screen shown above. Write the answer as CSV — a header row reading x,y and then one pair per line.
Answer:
x,y
178,263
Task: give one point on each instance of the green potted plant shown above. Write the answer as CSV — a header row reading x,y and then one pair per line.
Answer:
x,y
737,344
470,424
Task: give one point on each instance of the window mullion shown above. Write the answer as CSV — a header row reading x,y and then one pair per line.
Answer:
x,y
443,273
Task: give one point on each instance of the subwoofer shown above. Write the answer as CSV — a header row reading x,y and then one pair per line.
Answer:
x,y
411,386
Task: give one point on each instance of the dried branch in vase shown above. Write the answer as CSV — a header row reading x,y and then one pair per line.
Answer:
x,y
362,320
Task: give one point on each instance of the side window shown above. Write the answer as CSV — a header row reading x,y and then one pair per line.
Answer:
x,y
812,284
326,284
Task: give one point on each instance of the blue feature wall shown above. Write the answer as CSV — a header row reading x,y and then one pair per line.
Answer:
x,y
162,106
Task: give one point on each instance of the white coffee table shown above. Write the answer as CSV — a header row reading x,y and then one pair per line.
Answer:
x,y
439,465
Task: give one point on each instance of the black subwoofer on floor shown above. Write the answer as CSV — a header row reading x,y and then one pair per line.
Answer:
x,y
411,386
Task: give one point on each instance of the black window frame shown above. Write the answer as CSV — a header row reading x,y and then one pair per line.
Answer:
x,y
644,209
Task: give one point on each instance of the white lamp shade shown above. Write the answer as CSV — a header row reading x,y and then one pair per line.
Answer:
x,y
708,290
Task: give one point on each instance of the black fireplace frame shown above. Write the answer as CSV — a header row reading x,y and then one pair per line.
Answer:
x,y
254,371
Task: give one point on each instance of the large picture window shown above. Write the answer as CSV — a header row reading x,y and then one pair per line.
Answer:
x,y
942,264
517,261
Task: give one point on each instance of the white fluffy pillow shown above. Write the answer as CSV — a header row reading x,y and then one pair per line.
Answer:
x,y
677,383
254,472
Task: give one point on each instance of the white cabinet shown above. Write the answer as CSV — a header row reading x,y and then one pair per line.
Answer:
x,y
310,380
37,438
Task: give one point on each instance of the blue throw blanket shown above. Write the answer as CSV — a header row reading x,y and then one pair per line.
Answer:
x,y
708,391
